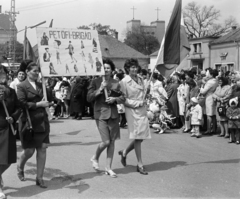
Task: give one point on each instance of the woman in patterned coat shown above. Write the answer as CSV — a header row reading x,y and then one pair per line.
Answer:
x,y
221,96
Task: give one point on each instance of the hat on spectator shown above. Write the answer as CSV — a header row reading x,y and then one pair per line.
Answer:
x,y
194,99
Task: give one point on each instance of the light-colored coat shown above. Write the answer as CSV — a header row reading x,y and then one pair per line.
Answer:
x,y
196,115
207,91
181,95
136,113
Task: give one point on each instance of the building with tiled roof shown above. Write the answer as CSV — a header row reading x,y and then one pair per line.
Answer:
x,y
224,51
118,52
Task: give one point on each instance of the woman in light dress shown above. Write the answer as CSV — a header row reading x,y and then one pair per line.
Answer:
x,y
132,86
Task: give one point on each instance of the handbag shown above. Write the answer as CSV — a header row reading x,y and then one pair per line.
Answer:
x,y
27,131
221,110
114,93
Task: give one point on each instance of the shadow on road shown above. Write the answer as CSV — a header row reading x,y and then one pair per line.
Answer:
x,y
74,132
72,143
56,121
158,166
231,161
58,180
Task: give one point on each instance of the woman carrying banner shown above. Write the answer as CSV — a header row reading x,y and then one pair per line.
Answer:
x,y
8,151
106,114
30,94
132,87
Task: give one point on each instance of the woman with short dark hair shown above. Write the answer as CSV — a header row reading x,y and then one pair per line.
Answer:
x,y
30,94
132,86
106,114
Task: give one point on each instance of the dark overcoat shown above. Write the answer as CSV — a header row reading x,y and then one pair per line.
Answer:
x,y
7,139
29,97
172,103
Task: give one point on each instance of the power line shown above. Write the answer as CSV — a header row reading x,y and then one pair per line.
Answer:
x,y
44,6
34,5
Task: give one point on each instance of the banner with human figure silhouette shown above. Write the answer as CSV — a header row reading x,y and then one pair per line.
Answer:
x,y
69,52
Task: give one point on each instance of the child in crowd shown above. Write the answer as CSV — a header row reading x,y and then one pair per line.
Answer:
x,y
196,117
63,97
233,114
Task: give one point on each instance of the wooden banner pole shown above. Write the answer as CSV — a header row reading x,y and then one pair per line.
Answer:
x,y
7,114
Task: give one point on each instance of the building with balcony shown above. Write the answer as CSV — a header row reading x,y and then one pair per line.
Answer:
x,y
224,51
199,55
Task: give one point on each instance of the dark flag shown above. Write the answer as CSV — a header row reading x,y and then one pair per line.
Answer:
x,y
51,24
174,46
28,52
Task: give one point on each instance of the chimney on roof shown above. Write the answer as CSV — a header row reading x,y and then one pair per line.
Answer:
x,y
234,27
116,35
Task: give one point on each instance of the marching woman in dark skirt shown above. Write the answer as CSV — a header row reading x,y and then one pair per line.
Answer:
x,y
30,94
8,152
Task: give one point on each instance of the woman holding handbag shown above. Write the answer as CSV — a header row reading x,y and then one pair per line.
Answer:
x,y
30,94
221,96
106,114
10,110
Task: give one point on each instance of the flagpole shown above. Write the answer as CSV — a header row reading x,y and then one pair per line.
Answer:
x,y
150,79
24,45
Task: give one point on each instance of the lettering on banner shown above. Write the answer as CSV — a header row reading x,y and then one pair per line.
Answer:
x,y
55,34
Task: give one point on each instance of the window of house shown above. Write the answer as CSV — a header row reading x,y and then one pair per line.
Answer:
x,y
225,66
197,47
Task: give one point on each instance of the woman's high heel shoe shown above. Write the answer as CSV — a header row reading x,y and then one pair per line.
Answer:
x,y
20,174
40,183
123,158
110,173
142,170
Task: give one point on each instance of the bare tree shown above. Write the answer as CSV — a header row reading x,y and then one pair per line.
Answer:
x,y
203,21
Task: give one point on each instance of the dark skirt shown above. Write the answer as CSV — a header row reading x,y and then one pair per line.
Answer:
x,y
38,138
8,149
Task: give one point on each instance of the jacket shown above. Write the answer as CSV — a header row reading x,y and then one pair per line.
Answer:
x,y
29,97
196,115
103,110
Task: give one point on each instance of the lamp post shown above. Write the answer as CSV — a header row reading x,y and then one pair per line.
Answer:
x,y
32,26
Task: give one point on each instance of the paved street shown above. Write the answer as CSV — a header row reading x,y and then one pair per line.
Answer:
x,y
178,165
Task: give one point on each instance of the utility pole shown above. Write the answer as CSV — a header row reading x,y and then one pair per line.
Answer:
x,y
13,31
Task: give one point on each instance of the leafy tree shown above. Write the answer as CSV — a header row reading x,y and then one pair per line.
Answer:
x,y
4,49
141,41
201,21
102,29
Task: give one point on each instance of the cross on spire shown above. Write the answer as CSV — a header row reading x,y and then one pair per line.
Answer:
x,y
157,12
133,11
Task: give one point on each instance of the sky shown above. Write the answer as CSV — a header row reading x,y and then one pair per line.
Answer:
x,y
74,13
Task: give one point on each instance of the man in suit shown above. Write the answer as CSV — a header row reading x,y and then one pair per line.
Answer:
x,y
46,55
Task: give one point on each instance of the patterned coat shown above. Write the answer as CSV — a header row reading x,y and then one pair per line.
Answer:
x,y
233,112
222,93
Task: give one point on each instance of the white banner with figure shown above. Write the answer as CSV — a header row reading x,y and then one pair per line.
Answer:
x,y
69,52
